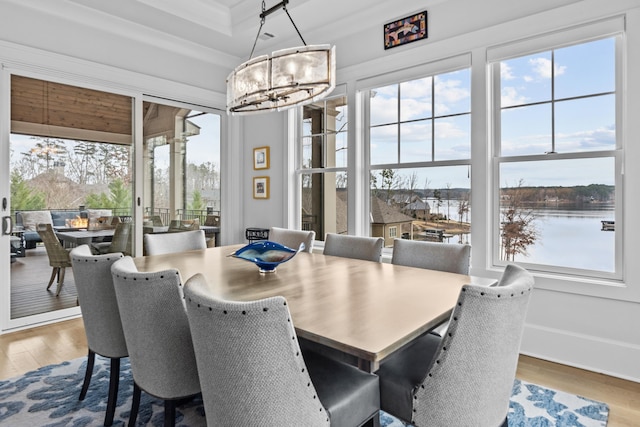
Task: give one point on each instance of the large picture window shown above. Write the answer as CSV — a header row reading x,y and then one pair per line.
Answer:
x,y
558,159
420,158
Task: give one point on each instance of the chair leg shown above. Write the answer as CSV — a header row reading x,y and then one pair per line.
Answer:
x,y
61,271
112,400
169,413
54,272
373,421
135,405
91,357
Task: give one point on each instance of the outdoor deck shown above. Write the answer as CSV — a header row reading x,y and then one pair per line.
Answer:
x,y
29,278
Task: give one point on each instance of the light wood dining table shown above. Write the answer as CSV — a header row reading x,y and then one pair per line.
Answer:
x,y
362,308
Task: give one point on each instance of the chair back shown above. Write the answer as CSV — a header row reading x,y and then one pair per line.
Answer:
x,y
343,245
251,369
97,297
177,225
156,330
58,255
212,220
450,257
165,243
470,378
293,238
122,238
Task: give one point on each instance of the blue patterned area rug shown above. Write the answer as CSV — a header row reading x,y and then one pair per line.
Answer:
x,y
48,397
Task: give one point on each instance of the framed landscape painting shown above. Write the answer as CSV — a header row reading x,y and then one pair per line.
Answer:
x,y
405,30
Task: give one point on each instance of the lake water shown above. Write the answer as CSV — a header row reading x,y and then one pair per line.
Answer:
x,y
567,237
573,238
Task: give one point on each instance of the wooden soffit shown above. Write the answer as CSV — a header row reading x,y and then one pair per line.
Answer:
x,y
55,110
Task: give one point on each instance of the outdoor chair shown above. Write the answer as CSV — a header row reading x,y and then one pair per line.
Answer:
x,y
101,318
58,256
121,241
466,377
164,243
178,225
343,245
253,373
293,238
156,330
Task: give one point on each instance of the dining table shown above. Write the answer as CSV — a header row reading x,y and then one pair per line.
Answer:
x,y
365,309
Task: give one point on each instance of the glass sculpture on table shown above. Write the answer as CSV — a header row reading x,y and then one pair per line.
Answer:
x,y
267,255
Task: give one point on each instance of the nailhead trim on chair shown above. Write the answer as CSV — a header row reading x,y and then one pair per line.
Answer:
x,y
446,342
265,309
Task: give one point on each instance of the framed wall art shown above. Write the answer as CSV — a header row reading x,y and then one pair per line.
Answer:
x,y
261,187
405,30
261,158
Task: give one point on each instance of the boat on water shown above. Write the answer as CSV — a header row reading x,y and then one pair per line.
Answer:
x,y
608,225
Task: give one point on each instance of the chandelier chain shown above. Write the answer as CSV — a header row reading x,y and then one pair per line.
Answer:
x,y
294,24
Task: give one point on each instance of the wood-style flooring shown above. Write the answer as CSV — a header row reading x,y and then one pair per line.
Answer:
x,y
29,278
32,348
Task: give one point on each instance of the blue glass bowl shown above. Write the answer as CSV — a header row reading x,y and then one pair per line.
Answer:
x,y
267,255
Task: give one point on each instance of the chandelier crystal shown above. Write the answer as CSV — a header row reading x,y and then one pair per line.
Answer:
x,y
284,79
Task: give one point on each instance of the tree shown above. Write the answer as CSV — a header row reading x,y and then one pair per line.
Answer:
x,y
390,181
197,204
23,197
119,197
517,224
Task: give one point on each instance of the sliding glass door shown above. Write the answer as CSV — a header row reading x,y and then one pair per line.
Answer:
x,y
69,168
181,150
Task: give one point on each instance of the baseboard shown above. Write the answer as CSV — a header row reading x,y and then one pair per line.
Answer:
x,y
609,357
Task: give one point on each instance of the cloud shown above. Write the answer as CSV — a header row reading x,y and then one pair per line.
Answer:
x,y
541,67
506,72
510,96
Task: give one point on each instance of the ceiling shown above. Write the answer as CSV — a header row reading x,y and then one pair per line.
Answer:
x,y
231,26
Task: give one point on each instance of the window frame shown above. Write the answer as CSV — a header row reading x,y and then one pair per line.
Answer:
x,y
610,28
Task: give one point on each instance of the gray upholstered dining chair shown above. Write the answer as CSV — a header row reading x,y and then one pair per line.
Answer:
x,y
58,256
165,243
157,333
253,372
466,377
358,247
449,257
101,318
293,238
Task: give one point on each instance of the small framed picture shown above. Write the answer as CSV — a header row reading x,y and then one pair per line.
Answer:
x,y
261,187
405,30
261,158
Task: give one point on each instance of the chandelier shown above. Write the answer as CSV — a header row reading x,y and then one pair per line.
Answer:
x,y
284,79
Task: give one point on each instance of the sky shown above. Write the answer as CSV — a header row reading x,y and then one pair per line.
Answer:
x,y
583,123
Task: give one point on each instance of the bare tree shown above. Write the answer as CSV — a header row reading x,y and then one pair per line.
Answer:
x,y
517,223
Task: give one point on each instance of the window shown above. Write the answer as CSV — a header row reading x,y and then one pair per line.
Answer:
x,y
558,159
420,157
393,231
322,166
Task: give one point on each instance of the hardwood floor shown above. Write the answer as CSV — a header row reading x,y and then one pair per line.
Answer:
x,y
31,348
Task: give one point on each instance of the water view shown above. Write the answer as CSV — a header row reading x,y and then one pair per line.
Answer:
x,y
573,238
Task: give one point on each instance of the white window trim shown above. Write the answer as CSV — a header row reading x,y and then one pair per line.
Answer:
x,y
612,27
